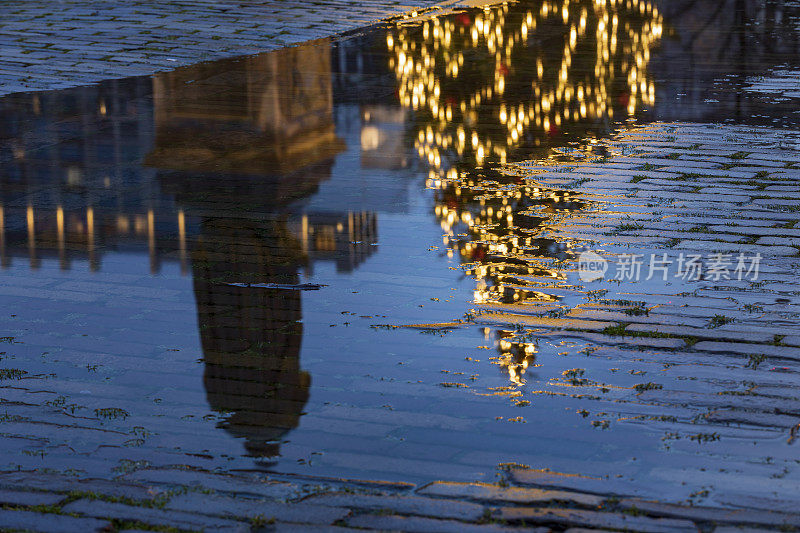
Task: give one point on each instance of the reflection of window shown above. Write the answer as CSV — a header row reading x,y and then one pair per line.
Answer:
x,y
140,224
325,239
74,176
370,138
123,224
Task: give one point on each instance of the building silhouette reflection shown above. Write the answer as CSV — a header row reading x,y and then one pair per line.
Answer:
x,y
232,152
251,337
236,150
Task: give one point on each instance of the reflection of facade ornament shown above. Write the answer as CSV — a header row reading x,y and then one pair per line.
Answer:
x,y
383,137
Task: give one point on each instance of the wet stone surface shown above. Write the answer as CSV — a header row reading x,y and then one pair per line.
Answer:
x,y
82,42
504,268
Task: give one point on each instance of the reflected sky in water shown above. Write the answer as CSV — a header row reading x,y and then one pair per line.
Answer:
x,y
226,251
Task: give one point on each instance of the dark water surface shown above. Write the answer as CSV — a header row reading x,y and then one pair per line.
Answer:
x,y
216,258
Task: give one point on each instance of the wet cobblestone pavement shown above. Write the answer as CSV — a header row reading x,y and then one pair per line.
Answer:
x,y
527,267
80,42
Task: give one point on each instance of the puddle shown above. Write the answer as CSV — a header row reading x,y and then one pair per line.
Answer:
x,y
317,260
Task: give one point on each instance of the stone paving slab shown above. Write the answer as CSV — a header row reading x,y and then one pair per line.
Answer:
x,y
703,333
226,506
58,483
279,527
788,352
52,523
27,498
221,483
493,493
557,480
714,515
592,519
430,525
154,516
737,529
407,505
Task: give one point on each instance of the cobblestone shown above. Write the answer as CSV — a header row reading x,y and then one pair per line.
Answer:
x,y
220,483
153,516
58,483
787,352
593,519
493,493
714,515
402,505
26,498
52,523
226,506
47,46
557,480
429,525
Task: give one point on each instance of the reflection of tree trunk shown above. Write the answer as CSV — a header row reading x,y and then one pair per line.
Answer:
x,y
251,336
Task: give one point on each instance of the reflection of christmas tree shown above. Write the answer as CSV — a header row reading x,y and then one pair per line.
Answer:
x,y
534,69
494,222
489,86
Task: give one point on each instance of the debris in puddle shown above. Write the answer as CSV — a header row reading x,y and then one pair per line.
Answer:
x,y
298,287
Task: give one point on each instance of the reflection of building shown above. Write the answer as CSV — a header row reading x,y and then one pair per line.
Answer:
x,y
239,149
236,149
345,240
69,186
72,186
266,114
251,336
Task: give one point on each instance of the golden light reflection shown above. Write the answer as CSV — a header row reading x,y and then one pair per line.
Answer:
x,y
182,242
508,83
151,241
62,251
516,87
90,247
34,262
516,355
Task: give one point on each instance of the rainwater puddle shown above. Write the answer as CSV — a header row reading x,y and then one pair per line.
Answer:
x,y
321,260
